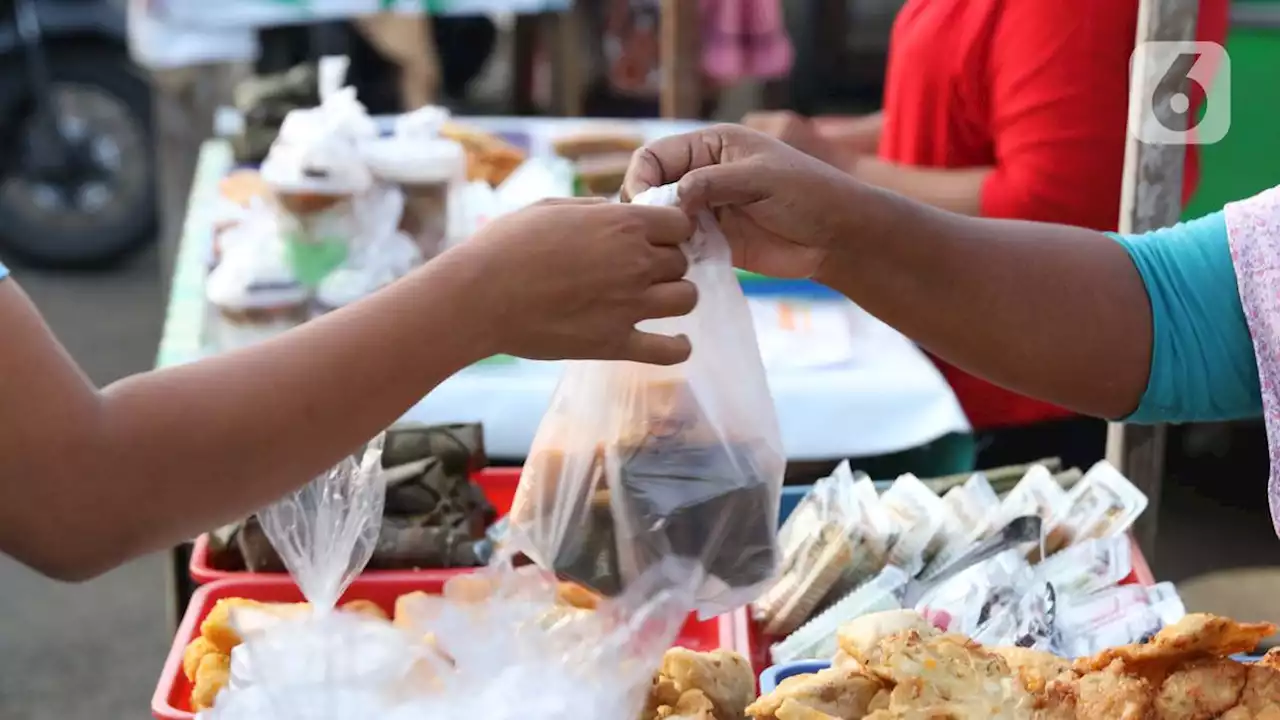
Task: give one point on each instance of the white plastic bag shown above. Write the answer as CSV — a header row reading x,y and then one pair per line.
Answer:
x,y
634,464
323,661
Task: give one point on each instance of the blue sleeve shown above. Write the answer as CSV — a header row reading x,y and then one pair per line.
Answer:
x,y
4,271
1202,363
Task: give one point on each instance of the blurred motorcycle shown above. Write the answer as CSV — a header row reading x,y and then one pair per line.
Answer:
x,y
77,165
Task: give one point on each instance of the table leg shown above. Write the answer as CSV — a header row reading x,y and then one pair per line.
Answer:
x,y
178,583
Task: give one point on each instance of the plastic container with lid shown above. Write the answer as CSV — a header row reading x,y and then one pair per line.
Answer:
x,y
425,166
254,293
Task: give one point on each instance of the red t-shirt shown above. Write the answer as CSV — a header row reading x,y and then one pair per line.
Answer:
x,y
1037,89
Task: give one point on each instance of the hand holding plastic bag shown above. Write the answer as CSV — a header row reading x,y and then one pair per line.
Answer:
x,y
636,464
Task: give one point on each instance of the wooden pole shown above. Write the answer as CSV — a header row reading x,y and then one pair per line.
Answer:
x,y
681,93
1151,197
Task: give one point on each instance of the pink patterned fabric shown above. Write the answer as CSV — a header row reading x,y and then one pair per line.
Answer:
x,y
744,39
1253,231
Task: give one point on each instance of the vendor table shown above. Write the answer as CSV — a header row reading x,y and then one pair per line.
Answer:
x,y
845,385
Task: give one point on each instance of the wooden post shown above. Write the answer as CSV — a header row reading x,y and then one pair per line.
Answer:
x,y
681,93
1151,197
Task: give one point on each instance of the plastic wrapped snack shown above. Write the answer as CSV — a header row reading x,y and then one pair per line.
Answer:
x,y
634,464
834,540
1089,566
425,166
253,290
317,174
918,514
970,508
1103,504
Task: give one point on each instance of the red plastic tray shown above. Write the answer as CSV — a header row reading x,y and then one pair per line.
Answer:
x,y
171,700
499,485
757,645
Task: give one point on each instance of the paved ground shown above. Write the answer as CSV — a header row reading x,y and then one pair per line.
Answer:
x,y
93,650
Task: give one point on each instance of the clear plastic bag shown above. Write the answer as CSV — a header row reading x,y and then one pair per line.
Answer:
x,y
634,464
314,662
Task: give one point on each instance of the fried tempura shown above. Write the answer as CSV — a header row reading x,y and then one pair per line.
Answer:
x,y
1035,668
211,677
1195,636
859,637
1110,693
1201,689
845,693
367,608
195,652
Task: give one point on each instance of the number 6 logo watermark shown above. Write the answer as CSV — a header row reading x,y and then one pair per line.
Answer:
x,y
1169,75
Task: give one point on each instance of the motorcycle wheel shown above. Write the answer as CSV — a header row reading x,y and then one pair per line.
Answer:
x,y
101,203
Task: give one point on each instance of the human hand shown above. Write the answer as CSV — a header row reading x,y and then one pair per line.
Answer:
x,y
571,278
781,210
802,134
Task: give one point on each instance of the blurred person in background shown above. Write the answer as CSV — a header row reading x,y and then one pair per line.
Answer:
x,y
1003,109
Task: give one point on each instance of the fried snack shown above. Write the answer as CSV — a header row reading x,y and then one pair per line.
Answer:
x,y
1201,689
489,157
691,705
196,651
858,638
947,676
211,676
576,596
217,628
577,146
723,676
838,692
1260,698
367,608
792,710
1110,693
1197,635
1035,668
242,187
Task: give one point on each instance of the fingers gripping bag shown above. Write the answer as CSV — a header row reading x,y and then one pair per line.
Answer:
x,y
635,464
314,661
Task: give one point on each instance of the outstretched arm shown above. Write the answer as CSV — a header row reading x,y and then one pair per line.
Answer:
x,y
1051,311
91,478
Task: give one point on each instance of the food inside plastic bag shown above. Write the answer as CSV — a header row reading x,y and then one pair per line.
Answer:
x,y
635,464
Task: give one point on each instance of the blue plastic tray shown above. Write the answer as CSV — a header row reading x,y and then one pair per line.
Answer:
x,y
775,674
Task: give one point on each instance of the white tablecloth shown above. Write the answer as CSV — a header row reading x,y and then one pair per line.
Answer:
x,y
883,396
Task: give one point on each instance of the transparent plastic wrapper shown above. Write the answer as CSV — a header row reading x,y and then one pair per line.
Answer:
x,y
378,255
424,166
509,652
970,507
1103,504
1037,493
1088,567
1030,622
964,603
636,464
318,175
917,514
253,292
835,539
817,637
316,657
1117,616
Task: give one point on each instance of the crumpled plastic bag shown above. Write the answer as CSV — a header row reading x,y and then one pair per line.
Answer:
x,y
324,533
496,644
635,464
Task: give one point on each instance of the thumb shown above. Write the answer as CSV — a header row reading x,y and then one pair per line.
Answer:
x,y
720,185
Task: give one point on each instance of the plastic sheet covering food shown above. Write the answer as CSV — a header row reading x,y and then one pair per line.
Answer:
x,y
496,644
637,464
